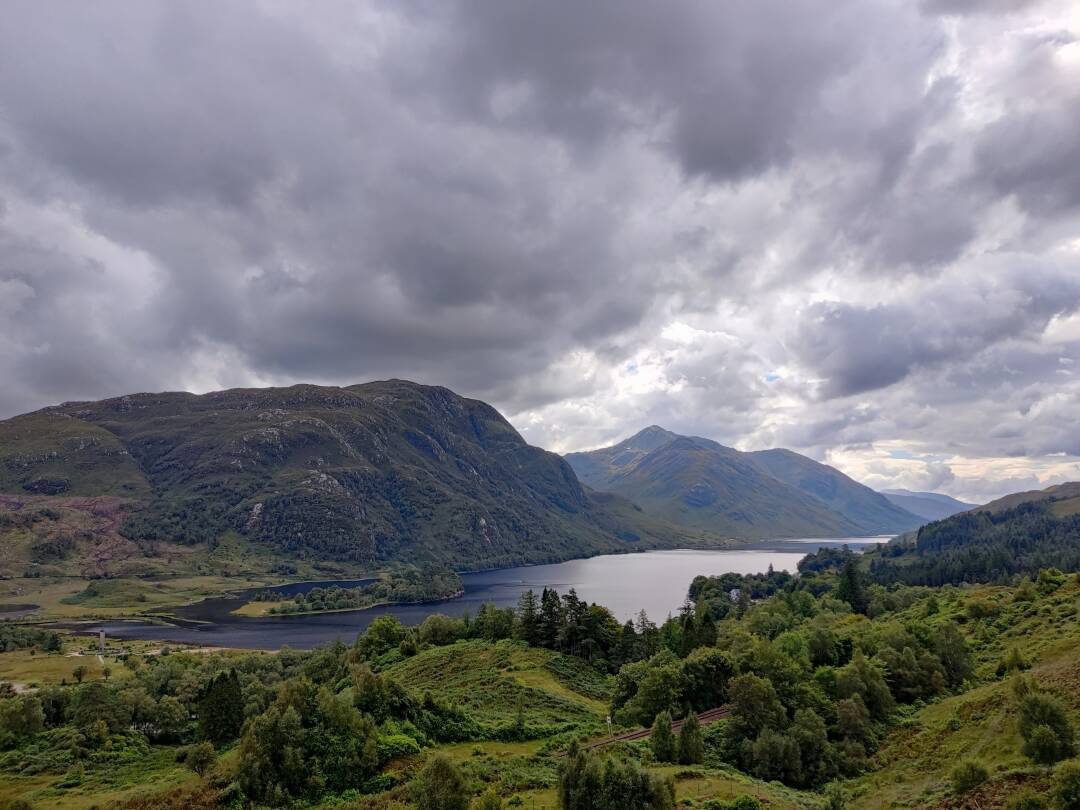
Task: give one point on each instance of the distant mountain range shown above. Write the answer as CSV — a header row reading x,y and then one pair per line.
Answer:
x,y
382,471
701,484
929,505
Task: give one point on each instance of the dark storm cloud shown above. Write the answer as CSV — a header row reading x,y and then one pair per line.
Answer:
x,y
519,199
857,349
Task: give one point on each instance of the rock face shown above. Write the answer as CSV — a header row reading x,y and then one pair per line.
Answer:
x,y
383,470
699,483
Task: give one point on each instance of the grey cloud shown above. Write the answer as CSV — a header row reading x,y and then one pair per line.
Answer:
x,y
475,195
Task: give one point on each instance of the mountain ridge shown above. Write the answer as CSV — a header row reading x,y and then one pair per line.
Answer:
x,y
386,470
697,482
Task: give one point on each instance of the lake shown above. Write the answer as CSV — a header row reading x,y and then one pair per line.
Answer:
x,y
655,581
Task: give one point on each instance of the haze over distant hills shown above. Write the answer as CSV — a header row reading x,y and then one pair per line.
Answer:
x,y
929,505
700,483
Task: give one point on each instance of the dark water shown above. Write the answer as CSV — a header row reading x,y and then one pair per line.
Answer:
x,y
655,581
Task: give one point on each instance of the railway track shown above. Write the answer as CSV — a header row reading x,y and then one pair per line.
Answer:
x,y
705,718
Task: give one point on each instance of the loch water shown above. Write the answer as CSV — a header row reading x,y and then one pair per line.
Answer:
x,y
654,581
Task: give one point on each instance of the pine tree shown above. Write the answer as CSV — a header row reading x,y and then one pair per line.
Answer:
x,y
221,708
662,739
550,619
851,588
691,743
528,629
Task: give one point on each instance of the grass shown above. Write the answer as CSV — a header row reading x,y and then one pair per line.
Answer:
x,y
915,761
491,679
101,785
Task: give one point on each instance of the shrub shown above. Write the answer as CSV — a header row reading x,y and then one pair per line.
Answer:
x,y
440,786
1067,786
1047,733
968,775
200,757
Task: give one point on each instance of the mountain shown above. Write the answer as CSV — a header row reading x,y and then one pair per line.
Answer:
x,y
704,485
871,511
1063,498
1022,533
381,471
929,505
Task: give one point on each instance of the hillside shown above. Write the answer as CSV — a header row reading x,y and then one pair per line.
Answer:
x,y
1019,534
928,505
871,511
699,483
379,471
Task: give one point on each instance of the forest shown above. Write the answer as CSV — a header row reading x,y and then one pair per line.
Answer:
x,y
813,676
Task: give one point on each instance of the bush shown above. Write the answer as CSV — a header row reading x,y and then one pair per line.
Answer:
x,y
440,786
200,757
968,775
1067,786
1047,733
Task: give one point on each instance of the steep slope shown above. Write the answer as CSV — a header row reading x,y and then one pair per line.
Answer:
x,y
385,470
928,505
1018,534
871,511
701,484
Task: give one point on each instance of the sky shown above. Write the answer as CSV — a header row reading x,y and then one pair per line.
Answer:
x,y
850,228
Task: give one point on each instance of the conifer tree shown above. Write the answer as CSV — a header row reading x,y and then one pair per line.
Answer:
x,y
691,743
221,708
662,739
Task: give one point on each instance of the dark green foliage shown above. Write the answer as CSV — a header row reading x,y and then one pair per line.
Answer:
x,y
691,744
221,708
1047,732
97,704
851,587
409,585
440,786
385,470
22,637
967,776
588,783
953,652
200,757
20,717
985,546
662,739
1067,786
776,756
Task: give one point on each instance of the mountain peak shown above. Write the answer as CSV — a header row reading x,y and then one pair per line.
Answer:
x,y
650,438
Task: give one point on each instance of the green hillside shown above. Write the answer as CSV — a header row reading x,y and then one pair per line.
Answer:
x,y
1020,534
704,485
381,471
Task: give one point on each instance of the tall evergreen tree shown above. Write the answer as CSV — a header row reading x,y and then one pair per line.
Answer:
x,y
662,739
550,619
528,616
691,743
852,588
221,708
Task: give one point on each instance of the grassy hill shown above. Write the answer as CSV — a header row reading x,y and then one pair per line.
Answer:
x,y
381,471
699,483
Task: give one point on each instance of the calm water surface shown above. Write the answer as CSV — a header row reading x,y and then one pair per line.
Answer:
x,y
655,581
